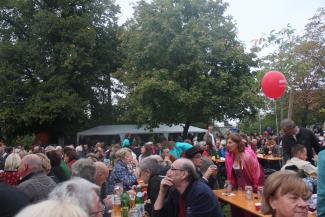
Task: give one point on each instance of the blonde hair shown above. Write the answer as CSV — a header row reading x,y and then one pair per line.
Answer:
x,y
121,153
12,161
53,208
279,184
46,163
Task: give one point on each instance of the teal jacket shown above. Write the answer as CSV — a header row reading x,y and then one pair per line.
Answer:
x,y
321,185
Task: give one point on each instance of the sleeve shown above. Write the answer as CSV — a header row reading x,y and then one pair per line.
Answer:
x,y
286,148
125,176
309,169
210,208
315,142
321,184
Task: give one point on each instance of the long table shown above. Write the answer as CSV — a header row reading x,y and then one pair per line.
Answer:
x,y
239,200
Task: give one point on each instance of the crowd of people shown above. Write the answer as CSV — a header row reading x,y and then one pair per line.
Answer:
x,y
180,174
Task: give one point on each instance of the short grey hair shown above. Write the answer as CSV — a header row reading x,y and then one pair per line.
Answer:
x,y
53,208
190,168
150,163
84,168
287,124
77,191
34,162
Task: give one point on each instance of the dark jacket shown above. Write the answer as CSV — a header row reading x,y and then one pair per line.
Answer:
x,y
12,200
306,138
200,201
36,186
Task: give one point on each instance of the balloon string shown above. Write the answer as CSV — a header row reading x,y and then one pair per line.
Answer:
x,y
276,119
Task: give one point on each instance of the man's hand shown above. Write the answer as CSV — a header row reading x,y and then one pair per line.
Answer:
x,y
165,184
212,170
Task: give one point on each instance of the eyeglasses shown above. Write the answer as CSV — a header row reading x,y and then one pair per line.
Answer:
x,y
174,169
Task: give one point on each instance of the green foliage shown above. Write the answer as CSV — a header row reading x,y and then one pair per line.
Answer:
x,y
300,58
57,58
184,64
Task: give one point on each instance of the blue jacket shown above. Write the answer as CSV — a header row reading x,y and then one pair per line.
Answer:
x,y
321,185
199,199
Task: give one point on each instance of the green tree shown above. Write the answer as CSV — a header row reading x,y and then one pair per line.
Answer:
x,y
184,64
300,58
56,63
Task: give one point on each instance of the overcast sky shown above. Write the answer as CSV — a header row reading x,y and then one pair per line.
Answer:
x,y
255,17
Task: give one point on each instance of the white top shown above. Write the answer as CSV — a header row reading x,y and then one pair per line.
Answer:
x,y
306,166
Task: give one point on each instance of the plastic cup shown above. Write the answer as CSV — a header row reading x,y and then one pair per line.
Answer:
x,y
258,206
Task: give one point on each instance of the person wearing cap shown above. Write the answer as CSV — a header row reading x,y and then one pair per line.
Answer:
x,y
206,169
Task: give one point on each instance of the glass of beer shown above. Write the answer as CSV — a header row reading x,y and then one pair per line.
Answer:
x,y
132,200
116,212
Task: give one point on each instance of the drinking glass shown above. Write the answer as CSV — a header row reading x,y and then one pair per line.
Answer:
x,y
118,189
260,192
249,192
228,187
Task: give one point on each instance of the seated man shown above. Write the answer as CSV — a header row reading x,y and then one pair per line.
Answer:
x,y
182,194
34,183
206,170
299,154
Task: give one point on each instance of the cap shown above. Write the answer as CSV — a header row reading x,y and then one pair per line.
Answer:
x,y
190,153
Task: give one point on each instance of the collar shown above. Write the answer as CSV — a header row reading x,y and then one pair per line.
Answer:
x,y
28,177
187,190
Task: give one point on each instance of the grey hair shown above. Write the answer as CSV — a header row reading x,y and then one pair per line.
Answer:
x,y
77,191
150,163
52,208
84,168
287,124
190,168
34,162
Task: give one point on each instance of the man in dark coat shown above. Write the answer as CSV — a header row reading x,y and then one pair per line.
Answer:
x,y
294,135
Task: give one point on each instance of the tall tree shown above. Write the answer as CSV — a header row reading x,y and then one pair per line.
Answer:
x,y
300,58
57,58
184,64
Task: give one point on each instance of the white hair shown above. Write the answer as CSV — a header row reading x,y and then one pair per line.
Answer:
x,y
76,190
53,208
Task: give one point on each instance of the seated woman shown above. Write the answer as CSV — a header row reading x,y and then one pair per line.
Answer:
x,y
10,175
121,173
285,195
242,168
299,153
146,150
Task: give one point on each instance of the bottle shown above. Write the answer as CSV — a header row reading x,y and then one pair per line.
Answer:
x,y
125,204
139,203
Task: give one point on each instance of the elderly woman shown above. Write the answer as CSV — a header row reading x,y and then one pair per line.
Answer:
x,y
151,169
285,195
10,174
121,173
242,168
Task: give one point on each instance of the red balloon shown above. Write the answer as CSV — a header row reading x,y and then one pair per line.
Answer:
x,y
274,84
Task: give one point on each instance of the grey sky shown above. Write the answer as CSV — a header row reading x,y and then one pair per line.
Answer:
x,y
255,17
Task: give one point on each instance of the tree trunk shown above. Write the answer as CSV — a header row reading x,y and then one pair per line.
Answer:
x,y
290,107
186,127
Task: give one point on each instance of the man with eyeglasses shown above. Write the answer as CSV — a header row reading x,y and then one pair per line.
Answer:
x,y
182,194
